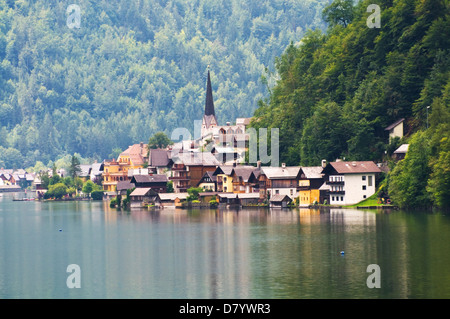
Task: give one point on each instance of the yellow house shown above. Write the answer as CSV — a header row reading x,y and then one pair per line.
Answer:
x,y
224,180
115,171
311,179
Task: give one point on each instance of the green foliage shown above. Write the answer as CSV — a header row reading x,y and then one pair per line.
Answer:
x,y
57,190
423,177
159,140
193,193
134,68
113,202
169,188
74,168
338,91
89,187
97,195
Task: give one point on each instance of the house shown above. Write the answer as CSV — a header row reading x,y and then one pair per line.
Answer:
x,y
85,172
279,181
280,201
310,181
395,129
159,161
171,200
246,199
123,186
117,170
400,152
208,182
189,167
224,179
142,196
96,173
157,182
245,179
350,182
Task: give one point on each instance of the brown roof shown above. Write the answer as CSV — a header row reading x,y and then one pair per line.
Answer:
x,y
123,185
155,178
158,157
279,198
137,153
355,167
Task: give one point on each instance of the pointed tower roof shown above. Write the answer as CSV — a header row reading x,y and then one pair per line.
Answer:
x,y
209,103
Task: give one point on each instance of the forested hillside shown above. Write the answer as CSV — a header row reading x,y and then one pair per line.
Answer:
x,y
132,68
340,89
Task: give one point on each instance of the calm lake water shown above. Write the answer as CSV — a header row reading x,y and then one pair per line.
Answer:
x,y
250,253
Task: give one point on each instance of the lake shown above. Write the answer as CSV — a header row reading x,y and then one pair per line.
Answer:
x,y
248,253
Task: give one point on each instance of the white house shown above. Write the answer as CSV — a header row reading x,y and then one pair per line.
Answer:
x,y
350,182
395,129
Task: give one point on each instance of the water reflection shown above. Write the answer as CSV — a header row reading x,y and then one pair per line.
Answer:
x,y
251,253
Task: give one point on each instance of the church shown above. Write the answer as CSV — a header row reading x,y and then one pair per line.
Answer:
x,y
227,142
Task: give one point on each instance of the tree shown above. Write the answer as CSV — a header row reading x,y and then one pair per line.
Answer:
x,y
159,140
89,187
193,193
170,187
339,12
74,168
57,190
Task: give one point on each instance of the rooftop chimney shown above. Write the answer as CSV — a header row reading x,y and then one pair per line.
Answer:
x,y
258,164
283,165
324,163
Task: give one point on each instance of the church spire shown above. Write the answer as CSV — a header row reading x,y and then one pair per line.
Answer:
x,y
209,103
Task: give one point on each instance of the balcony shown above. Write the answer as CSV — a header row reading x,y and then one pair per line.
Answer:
x,y
179,178
337,192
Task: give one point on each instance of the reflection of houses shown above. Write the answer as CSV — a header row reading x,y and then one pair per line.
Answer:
x,y
350,182
400,152
310,180
395,129
117,170
279,181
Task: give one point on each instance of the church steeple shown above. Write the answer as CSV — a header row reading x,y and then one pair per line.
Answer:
x,y
209,103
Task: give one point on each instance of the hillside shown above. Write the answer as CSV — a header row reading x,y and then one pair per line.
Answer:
x,y
340,89
132,68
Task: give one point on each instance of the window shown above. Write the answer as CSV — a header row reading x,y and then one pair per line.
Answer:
x,y
370,181
337,198
292,192
332,198
364,196
225,179
364,177
277,191
342,198
364,187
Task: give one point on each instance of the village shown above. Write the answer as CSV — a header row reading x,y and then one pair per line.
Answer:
x,y
210,171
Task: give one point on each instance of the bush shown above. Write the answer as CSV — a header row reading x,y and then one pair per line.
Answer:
x,y
57,190
113,202
97,195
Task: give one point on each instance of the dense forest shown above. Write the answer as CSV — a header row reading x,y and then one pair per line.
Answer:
x,y
338,91
133,68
